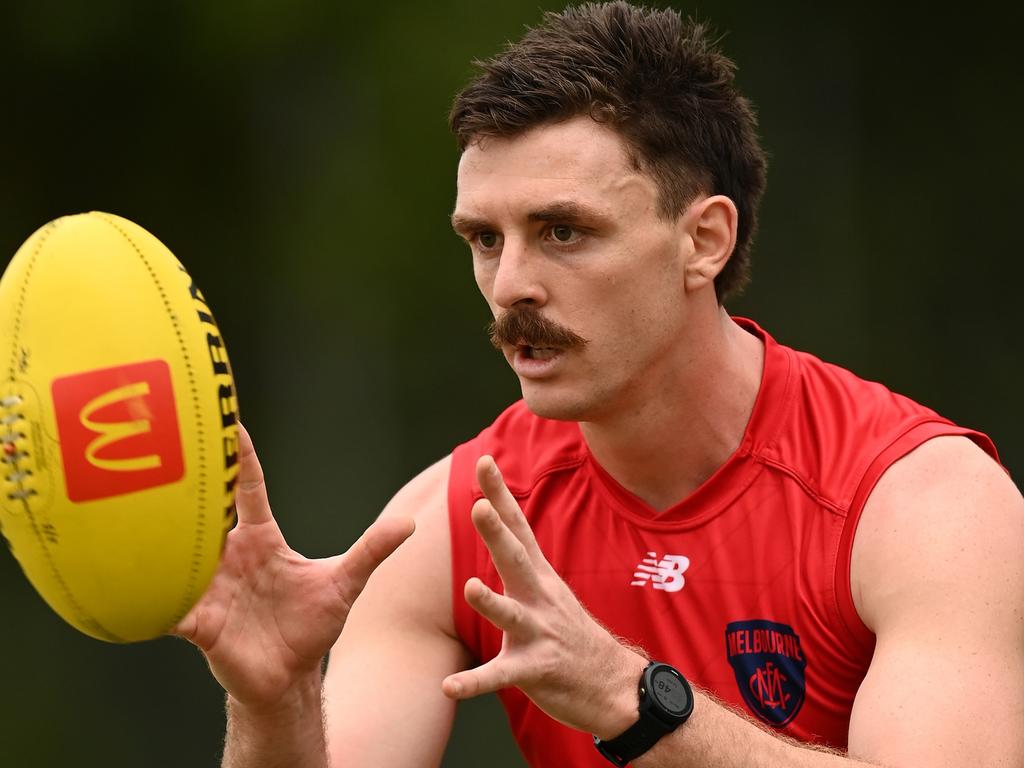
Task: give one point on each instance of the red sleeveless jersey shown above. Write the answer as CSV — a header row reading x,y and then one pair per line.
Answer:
x,y
744,585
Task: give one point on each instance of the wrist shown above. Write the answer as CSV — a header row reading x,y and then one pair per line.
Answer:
x,y
296,704
665,702
288,732
620,707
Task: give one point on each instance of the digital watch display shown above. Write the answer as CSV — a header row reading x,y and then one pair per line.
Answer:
x,y
666,702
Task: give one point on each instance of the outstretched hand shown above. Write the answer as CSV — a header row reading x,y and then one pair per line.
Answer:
x,y
270,614
552,648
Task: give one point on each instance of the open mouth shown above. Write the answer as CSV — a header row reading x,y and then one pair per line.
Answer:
x,y
537,353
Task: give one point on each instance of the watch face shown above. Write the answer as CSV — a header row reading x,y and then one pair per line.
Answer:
x,y
670,691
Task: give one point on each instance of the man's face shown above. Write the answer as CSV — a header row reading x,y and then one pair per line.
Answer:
x,y
563,229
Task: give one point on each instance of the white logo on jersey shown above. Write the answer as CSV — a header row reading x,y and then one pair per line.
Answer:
x,y
666,574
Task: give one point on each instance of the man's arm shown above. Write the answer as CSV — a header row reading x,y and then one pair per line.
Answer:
x,y
383,686
937,576
270,615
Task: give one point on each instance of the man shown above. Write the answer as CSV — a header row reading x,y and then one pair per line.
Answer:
x,y
821,559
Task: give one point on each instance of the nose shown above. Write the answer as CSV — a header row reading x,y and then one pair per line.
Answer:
x,y
518,276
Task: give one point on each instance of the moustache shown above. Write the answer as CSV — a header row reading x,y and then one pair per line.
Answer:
x,y
525,325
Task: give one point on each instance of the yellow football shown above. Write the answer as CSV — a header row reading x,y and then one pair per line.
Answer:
x,y
118,427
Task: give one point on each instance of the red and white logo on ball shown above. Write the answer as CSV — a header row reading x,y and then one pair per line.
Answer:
x,y
118,430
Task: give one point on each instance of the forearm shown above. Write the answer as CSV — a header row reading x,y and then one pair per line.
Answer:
x,y
717,737
287,736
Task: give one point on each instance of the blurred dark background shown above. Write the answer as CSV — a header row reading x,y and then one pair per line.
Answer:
x,y
295,156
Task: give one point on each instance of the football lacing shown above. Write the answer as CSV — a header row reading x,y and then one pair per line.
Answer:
x,y
11,453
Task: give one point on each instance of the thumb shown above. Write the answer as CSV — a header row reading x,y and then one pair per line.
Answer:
x,y
251,501
496,674
354,568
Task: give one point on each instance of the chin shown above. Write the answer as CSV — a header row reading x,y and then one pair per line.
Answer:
x,y
561,406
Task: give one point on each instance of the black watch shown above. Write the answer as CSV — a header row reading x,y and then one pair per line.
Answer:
x,y
666,702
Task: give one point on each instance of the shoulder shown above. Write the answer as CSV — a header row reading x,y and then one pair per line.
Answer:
x,y
424,496
809,388
938,576
944,524
424,560
839,432
425,499
839,400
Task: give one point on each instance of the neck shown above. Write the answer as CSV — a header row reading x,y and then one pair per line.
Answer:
x,y
675,434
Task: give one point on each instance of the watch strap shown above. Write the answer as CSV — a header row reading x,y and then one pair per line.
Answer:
x,y
654,719
632,742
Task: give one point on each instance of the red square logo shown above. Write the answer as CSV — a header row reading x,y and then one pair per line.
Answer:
x,y
118,430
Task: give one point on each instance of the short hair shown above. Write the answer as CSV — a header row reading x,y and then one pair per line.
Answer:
x,y
660,81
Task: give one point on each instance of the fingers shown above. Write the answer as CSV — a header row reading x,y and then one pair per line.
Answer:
x,y
496,674
508,553
251,501
493,485
503,612
371,549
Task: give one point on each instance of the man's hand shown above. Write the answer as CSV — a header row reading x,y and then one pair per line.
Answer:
x,y
552,649
270,615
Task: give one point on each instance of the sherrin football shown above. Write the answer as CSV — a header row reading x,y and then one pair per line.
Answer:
x,y
118,427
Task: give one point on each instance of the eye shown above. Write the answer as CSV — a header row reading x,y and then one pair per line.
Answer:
x,y
487,239
563,233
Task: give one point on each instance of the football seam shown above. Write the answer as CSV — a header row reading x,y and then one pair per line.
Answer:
x,y
24,290
197,545
83,616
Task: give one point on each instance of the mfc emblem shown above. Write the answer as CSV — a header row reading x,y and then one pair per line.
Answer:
x,y
118,430
769,665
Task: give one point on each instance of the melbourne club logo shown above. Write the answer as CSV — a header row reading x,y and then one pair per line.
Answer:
x,y
664,573
769,665
118,430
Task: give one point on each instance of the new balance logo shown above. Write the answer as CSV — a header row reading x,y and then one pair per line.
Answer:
x,y
665,574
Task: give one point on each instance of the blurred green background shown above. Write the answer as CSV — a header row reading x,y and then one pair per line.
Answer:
x,y
294,155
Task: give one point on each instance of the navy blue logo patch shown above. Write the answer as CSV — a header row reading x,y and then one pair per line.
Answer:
x,y
769,665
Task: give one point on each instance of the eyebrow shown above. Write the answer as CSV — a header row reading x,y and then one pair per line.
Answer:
x,y
464,224
567,211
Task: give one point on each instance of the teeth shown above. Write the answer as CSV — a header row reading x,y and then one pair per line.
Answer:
x,y
542,353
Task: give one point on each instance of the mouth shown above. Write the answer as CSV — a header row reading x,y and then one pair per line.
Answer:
x,y
536,362
537,353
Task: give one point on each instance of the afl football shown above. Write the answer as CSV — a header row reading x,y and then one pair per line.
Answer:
x,y
118,427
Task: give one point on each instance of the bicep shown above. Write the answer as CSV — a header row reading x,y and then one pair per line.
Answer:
x,y
946,695
384,705
938,576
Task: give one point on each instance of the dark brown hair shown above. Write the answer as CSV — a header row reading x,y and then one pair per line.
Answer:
x,y
657,79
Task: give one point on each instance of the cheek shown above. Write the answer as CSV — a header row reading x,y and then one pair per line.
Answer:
x,y
484,278
645,315
616,321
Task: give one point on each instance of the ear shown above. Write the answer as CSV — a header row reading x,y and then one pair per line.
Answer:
x,y
711,226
